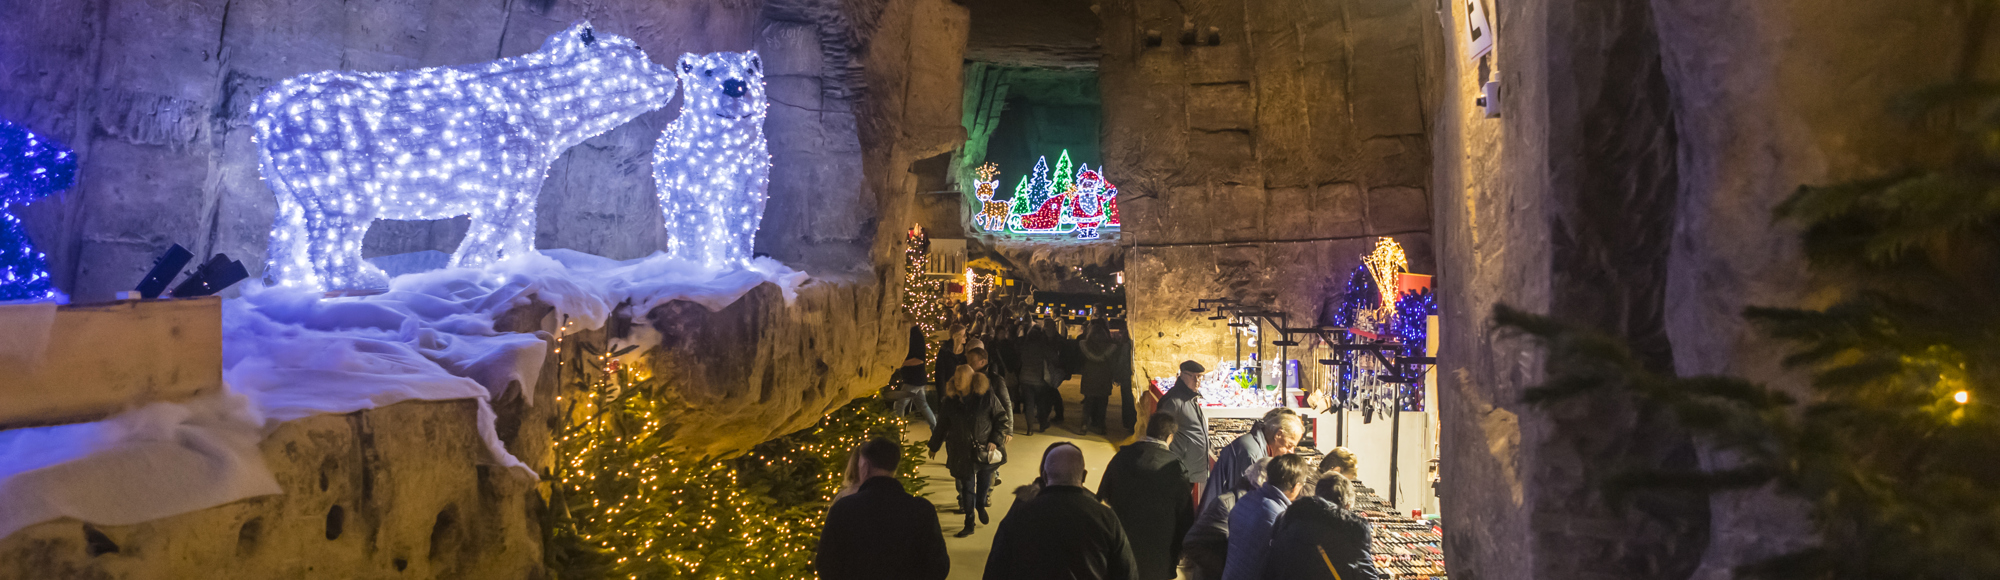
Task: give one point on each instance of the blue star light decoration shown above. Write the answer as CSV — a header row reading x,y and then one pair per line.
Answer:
x,y
341,149
31,168
712,166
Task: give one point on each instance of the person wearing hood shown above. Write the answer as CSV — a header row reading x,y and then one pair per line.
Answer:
x,y
1322,538
1256,512
973,427
1183,401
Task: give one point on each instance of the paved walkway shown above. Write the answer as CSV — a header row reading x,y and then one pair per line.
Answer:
x,y
968,555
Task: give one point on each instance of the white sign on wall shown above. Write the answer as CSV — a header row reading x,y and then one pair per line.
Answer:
x,y
1478,30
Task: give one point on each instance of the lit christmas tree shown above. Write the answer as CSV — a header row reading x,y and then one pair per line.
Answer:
x,y
923,295
31,167
628,505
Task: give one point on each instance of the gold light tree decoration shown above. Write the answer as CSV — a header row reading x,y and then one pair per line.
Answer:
x,y
627,504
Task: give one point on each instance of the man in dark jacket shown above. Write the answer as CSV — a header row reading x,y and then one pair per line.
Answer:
x,y
1063,533
1037,352
1321,529
1183,401
1146,486
1100,356
881,531
1121,376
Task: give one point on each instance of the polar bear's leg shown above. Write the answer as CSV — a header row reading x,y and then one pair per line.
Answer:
x,y
500,232
288,261
335,247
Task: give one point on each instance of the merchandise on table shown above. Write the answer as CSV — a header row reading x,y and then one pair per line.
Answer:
x,y
1406,548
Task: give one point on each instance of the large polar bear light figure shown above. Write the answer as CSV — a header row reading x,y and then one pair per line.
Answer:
x,y
711,165
341,149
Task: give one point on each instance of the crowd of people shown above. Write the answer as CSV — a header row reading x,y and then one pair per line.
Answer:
x,y
1162,508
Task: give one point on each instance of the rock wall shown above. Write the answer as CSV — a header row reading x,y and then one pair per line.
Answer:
x,y
152,95
1259,146
1627,186
392,492
154,98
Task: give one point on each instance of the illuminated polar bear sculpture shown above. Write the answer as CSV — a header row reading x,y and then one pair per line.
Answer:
x,y
711,165
341,149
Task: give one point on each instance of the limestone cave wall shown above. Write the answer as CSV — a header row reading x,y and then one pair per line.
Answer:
x,y
1626,185
1259,146
153,97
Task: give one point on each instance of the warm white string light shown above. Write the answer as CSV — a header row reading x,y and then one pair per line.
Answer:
x,y
341,149
711,166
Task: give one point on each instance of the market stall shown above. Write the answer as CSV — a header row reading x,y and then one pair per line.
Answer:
x,y
1362,382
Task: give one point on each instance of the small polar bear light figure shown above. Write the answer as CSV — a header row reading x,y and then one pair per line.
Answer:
x,y
711,166
341,149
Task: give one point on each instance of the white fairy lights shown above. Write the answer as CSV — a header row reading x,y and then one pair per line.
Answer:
x,y
341,149
711,166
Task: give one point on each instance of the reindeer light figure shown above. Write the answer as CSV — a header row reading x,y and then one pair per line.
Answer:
x,y
341,149
992,215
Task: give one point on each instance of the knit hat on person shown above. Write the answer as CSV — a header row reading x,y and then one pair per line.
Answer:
x,y
1192,367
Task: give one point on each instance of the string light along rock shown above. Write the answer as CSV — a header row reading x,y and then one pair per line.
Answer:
x,y
712,166
341,149
31,168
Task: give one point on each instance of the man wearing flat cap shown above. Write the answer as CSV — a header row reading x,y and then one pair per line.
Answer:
x,y
1191,440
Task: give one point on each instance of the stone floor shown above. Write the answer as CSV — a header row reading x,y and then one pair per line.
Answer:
x,y
968,555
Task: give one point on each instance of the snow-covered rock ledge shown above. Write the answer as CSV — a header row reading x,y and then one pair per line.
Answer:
x,y
753,353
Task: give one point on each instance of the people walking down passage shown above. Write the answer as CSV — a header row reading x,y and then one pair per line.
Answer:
x,y
1322,538
980,359
1250,522
1273,436
1038,354
951,355
881,532
1205,550
1121,377
1148,489
1191,441
972,428
1061,531
1100,359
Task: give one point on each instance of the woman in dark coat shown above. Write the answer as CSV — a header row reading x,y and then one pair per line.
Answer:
x,y
972,426
1321,531
1100,358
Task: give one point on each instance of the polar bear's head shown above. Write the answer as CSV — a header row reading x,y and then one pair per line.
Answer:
x,y
729,85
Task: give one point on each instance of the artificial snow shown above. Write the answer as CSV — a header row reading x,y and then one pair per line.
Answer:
x,y
290,354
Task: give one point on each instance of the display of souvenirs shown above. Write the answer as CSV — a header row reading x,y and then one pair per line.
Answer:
x,y
1406,548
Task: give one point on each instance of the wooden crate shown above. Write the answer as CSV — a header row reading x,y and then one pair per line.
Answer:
x,y
85,362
